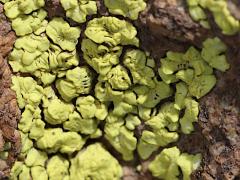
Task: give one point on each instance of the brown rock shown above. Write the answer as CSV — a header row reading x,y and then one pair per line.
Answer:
x,y
54,8
5,26
166,25
6,43
220,122
7,37
9,116
9,111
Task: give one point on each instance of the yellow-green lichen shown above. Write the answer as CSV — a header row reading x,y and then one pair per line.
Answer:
x,y
32,23
36,158
105,93
55,139
112,31
121,138
100,57
15,8
137,62
166,164
39,173
60,32
163,126
29,115
118,78
190,115
213,53
112,93
27,91
78,81
126,8
195,68
57,111
150,97
105,166
4,1
221,13
78,124
78,10
29,53
89,107
57,168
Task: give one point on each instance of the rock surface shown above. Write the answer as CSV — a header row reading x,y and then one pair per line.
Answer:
x,y
220,123
9,111
166,25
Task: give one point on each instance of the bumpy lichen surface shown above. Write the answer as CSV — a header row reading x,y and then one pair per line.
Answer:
x,y
166,165
78,10
222,16
110,93
126,8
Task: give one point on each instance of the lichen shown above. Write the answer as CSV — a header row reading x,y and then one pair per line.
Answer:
x,y
95,157
219,9
15,8
78,10
112,31
166,164
34,23
163,126
54,139
120,137
60,32
100,57
78,81
126,8
137,62
109,92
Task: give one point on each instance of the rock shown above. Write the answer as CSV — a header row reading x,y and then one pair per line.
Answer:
x,y
54,8
166,25
9,111
219,120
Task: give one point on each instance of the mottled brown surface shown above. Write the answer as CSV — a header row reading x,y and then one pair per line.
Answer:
x,y
54,8
5,26
6,43
220,122
165,25
7,37
9,112
234,6
9,116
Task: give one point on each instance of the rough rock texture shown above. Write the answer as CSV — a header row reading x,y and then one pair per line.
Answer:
x,y
220,122
7,37
165,25
9,111
234,6
9,116
54,8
